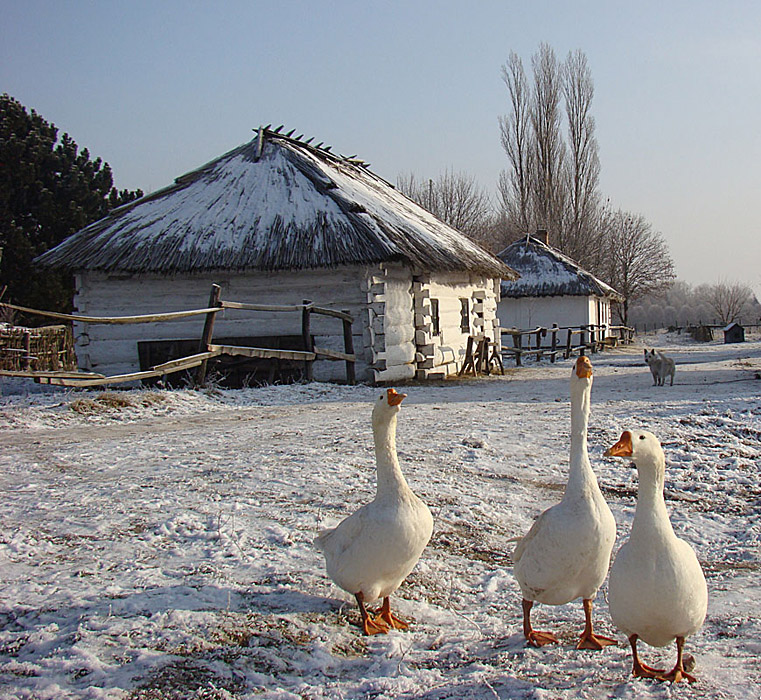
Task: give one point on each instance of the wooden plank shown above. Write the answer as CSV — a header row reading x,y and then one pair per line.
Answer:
x,y
201,356
263,352
143,318
343,315
34,374
117,378
329,354
260,307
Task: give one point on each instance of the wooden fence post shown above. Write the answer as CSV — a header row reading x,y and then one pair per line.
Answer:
x,y
517,343
554,342
568,340
306,334
208,332
349,350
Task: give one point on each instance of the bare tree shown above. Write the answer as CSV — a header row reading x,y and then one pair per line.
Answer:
x,y
549,184
729,300
582,164
549,148
639,260
455,198
514,184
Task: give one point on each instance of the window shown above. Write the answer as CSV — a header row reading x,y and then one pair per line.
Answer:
x,y
465,315
435,323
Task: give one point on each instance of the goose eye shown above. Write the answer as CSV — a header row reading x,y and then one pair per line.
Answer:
x,y
641,437
381,397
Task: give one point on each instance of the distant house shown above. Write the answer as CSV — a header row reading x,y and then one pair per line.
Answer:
x,y
277,221
551,289
734,333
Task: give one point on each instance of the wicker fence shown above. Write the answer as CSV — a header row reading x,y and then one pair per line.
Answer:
x,y
48,348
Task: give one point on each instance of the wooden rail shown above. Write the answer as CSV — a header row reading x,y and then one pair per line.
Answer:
x,y
206,348
592,337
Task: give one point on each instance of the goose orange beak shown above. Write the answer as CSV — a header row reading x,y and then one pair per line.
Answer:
x,y
623,448
583,367
394,399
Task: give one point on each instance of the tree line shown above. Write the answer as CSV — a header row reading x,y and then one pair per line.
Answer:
x,y
685,305
551,182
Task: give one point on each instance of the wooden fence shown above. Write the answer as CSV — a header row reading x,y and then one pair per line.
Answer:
x,y
547,342
207,349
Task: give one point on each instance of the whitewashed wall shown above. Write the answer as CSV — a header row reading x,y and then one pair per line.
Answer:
x,y
443,354
112,349
390,335
530,312
392,331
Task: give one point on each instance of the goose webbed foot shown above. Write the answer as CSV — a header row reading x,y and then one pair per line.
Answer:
x,y
386,617
595,642
534,637
588,639
371,624
684,664
640,670
539,639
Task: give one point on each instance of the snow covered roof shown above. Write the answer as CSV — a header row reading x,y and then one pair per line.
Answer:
x,y
275,203
545,271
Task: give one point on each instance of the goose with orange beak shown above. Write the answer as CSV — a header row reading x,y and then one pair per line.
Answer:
x,y
657,591
566,553
372,551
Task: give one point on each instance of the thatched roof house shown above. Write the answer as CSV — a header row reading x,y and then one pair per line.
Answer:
x,y
552,288
279,219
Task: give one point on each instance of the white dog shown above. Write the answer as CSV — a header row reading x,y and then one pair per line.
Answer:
x,y
661,366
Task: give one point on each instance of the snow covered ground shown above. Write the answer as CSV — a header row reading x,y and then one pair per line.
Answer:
x,y
163,549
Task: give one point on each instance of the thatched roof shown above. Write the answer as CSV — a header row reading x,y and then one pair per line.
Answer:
x,y
545,271
275,203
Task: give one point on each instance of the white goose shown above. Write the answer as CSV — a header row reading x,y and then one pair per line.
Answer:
x,y
372,551
657,591
566,553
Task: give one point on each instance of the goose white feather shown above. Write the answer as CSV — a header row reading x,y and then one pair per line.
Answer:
x,y
373,550
566,553
657,590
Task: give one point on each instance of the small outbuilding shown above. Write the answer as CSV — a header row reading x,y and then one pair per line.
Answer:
x,y
734,333
277,221
552,288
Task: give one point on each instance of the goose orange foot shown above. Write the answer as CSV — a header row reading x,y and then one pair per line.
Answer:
x,y
534,637
387,618
640,670
676,675
371,624
588,639
595,642
539,639
684,662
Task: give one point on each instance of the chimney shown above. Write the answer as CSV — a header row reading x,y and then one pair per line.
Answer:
x,y
542,235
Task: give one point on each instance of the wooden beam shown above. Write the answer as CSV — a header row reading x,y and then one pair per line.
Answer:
x,y
169,366
189,363
329,354
34,374
144,318
343,315
260,307
263,352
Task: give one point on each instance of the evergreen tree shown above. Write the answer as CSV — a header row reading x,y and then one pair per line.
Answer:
x,y
49,189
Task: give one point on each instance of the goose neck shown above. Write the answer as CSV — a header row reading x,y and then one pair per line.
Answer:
x,y
651,504
580,472
390,477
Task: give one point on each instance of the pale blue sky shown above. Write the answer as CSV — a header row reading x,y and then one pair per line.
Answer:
x,y
158,88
